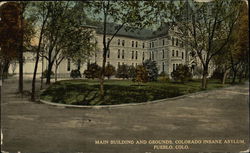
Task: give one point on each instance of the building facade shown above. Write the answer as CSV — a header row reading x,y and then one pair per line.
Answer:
x,y
164,46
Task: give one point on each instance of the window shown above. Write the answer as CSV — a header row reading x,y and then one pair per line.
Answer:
x,y
108,63
122,54
136,55
143,56
68,65
177,42
163,54
153,44
132,54
123,42
118,53
163,66
173,67
172,52
118,64
149,45
152,56
122,63
163,42
118,42
132,64
143,45
177,53
182,55
172,41
135,64
132,43
136,44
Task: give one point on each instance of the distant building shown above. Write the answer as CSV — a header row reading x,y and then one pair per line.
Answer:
x,y
165,46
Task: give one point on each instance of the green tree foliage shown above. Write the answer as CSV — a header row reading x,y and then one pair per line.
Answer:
x,y
93,71
131,72
208,28
122,71
109,71
129,14
152,70
141,74
75,74
182,73
65,36
163,77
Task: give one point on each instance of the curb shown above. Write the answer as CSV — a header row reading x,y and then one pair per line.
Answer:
x,y
129,104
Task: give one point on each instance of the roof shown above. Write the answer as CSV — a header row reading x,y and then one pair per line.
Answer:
x,y
136,33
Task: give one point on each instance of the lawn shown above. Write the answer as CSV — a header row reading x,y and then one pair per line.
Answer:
x,y
86,92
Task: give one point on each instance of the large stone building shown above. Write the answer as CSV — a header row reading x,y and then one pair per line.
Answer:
x,y
165,46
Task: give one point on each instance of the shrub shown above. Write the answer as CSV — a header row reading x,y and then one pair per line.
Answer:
x,y
163,77
217,74
45,73
182,73
152,70
122,71
93,71
75,74
141,74
131,72
109,71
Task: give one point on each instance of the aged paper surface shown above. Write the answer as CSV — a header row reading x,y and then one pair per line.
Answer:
x,y
144,109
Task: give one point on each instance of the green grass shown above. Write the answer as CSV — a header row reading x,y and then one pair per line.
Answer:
x,y
86,92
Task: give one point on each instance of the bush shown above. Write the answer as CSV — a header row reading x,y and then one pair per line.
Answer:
x,y
152,70
75,74
45,73
109,71
122,71
182,73
131,72
93,71
163,77
217,74
141,74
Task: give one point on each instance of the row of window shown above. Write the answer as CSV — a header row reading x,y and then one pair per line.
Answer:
x,y
121,54
152,44
176,53
177,42
133,43
175,66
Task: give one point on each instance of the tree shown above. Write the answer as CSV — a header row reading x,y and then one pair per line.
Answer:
x,y
65,36
182,73
131,72
152,70
122,71
75,74
109,71
10,31
129,14
141,74
93,71
205,25
42,13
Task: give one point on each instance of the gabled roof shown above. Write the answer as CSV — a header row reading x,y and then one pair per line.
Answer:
x,y
136,33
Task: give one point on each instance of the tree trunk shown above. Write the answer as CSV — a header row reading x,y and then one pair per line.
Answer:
x,y
34,78
21,54
225,76
48,76
234,76
56,73
204,78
